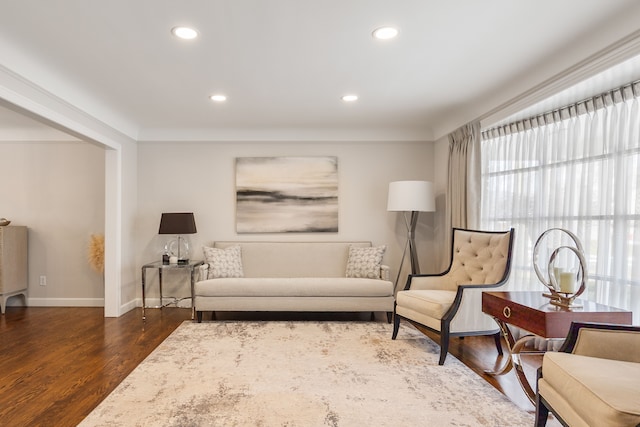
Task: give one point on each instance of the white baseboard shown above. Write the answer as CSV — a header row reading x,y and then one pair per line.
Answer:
x,y
128,306
65,302
88,302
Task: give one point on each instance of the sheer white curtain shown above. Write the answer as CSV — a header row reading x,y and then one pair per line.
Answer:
x,y
577,168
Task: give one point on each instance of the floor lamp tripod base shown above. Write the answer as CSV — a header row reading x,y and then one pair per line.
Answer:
x,y
411,245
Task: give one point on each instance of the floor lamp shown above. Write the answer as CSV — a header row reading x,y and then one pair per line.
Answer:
x,y
414,197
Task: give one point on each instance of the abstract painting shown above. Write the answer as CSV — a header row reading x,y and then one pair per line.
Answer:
x,y
286,194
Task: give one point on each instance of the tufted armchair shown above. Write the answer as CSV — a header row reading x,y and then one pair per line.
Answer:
x,y
450,303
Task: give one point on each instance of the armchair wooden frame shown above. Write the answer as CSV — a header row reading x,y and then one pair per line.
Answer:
x,y
445,322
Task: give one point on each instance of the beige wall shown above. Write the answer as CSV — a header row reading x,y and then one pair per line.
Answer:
x,y
56,189
200,178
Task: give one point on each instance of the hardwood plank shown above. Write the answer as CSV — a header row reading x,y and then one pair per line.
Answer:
x,y
57,364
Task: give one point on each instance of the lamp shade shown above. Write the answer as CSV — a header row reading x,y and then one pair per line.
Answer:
x,y
177,223
410,196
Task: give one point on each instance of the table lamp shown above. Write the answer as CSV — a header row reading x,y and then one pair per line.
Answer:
x,y
178,224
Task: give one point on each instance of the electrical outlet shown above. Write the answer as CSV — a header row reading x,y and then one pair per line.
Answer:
x,y
43,280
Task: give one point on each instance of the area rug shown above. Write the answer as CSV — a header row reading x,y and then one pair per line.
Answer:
x,y
302,373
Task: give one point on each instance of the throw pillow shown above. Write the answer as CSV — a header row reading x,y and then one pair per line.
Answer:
x,y
224,262
365,262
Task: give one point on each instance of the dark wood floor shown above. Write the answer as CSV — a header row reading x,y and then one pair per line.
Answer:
x,y
57,364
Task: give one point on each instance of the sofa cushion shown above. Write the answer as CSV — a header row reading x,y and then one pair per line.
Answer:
x,y
601,392
294,287
365,262
224,262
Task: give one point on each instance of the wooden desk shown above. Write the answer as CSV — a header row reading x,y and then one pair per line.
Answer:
x,y
533,313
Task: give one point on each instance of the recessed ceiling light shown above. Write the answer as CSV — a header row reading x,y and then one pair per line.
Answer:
x,y
385,33
350,98
218,98
185,33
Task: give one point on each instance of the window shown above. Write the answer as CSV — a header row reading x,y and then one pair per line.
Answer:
x,y
576,168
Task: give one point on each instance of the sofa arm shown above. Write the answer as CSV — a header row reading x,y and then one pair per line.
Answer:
x,y
604,341
203,272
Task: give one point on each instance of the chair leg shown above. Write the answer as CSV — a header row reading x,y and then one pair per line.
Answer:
x,y
542,412
444,343
389,316
199,316
396,325
496,338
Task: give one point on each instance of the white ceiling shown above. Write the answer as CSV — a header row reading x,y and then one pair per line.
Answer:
x,y
284,64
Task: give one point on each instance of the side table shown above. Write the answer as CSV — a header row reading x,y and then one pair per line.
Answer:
x,y
191,267
533,313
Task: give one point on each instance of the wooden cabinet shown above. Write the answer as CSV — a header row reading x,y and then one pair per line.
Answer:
x,y
13,263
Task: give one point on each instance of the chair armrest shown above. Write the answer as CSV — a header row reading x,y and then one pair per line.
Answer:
x,y
384,272
203,272
428,281
604,340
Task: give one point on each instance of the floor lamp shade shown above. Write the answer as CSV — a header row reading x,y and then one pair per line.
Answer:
x,y
414,197
411,196
177,224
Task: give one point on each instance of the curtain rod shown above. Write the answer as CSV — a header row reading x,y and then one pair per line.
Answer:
x,y
617,95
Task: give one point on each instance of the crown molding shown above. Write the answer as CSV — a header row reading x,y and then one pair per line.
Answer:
x,y
623,50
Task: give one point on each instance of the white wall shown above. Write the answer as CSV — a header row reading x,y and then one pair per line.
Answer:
x,y
200,178
56,189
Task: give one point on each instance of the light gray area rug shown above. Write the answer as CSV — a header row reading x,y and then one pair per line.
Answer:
x,y
288,373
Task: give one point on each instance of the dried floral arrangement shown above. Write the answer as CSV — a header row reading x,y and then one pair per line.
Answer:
x,y
96,253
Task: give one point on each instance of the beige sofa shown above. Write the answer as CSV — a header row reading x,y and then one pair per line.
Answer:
x,y
293,276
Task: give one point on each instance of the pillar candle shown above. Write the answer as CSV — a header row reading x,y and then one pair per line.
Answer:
x,y
567,282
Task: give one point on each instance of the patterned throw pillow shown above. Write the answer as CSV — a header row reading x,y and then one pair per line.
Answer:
x,y
365,262
224,262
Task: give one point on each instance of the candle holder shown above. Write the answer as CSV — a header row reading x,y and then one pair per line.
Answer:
x,y
558,296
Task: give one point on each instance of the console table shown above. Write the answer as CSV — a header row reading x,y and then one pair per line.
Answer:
x,y
191,267
533,313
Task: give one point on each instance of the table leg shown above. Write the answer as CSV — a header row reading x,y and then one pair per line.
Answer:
x,y
160,286
517,363
510,341
514,361
193,285
144,272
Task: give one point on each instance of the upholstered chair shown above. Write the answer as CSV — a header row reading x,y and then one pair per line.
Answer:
x,y
594,379
450,303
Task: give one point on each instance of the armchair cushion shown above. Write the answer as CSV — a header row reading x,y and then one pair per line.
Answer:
x,y
601,391
479,258
428,302
606,344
